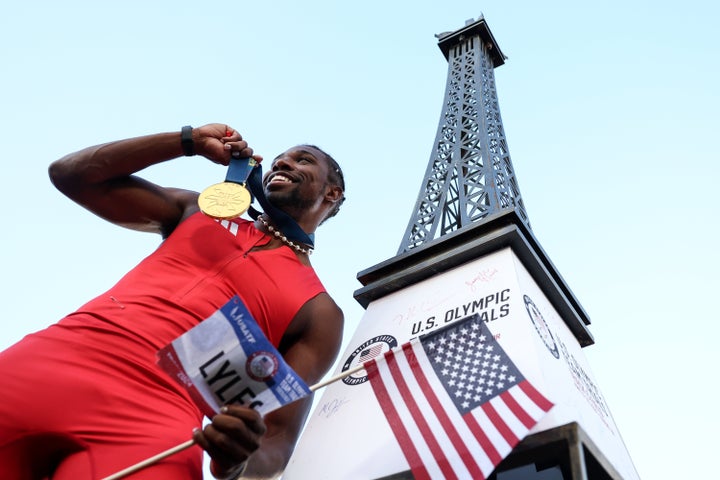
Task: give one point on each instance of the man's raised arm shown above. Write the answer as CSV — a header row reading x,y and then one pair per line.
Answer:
x,y
102,178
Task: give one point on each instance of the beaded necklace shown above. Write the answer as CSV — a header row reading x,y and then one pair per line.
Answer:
x,y
278,234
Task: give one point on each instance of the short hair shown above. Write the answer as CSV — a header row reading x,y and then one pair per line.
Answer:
x,y
335,177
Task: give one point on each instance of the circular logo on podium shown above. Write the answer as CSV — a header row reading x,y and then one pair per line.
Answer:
x,y
368,350
541,326
261,366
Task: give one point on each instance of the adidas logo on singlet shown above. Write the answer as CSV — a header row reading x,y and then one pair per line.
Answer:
x,y
230,225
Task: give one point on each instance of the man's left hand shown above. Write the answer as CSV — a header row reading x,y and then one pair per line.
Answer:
x,y
231,437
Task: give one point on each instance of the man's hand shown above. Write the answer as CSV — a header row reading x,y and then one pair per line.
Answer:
x,y
219,143
232,436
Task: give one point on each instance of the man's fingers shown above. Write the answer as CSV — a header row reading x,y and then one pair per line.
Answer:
x,y
249,418
239,149
231,134
232,436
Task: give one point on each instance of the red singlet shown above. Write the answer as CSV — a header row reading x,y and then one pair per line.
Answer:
x,y
84,399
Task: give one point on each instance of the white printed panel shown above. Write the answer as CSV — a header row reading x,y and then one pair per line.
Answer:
x,y
566,370
348,436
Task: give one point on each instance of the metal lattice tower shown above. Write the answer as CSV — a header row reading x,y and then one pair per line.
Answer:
x,y
470,175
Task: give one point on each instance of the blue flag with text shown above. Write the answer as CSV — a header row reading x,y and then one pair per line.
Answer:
x,y
226,359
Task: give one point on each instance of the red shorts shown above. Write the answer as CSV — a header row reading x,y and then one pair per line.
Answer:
x,y
74,412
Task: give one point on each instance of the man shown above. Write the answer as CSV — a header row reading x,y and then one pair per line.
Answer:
x,y
106,405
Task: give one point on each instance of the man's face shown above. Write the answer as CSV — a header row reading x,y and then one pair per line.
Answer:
x,y
297,179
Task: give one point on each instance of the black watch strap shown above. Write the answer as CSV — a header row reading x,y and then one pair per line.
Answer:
x,y
186,141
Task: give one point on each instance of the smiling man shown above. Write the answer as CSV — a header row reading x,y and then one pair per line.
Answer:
x,y
110,406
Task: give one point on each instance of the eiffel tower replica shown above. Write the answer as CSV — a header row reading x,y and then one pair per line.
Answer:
x,y
469,247
470,177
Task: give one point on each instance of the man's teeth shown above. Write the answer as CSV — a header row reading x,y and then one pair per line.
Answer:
x,y
280,178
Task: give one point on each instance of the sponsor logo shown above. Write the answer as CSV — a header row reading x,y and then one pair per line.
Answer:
x,y
366,351
541,327
231,226
262,366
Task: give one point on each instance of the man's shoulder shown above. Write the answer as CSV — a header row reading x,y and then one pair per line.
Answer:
x,y
324,306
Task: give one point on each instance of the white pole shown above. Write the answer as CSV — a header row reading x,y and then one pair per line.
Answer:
x,y
151,460
179,448
337,377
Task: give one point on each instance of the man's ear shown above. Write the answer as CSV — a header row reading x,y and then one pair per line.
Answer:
x,y
333,193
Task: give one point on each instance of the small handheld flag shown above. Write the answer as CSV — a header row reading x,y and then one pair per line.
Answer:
x,y
455,401
226,359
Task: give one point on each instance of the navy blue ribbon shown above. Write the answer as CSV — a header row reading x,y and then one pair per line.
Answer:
x,y
284,222
239,170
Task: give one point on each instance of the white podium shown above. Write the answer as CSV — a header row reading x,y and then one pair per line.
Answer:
x,y
498,271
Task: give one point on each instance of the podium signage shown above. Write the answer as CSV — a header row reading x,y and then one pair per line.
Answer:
x,y
348,435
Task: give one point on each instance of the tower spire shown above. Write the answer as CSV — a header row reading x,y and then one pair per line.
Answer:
x,y
470,175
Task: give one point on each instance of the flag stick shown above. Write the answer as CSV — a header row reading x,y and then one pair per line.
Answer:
x,y
151,460
179,448
337,377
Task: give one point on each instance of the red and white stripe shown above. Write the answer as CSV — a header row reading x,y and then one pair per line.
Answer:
x,y
437,441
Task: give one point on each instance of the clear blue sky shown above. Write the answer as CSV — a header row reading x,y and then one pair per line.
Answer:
x,y
610,110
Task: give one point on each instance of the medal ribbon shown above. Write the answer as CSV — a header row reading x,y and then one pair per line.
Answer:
x,y
239,170
242,170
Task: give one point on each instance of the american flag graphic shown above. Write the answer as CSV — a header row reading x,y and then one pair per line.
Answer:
x,y
370,353
454,400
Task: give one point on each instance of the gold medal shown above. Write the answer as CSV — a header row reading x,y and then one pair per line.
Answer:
x,y
225,200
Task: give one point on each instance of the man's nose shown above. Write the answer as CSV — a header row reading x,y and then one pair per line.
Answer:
x,y
282,163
